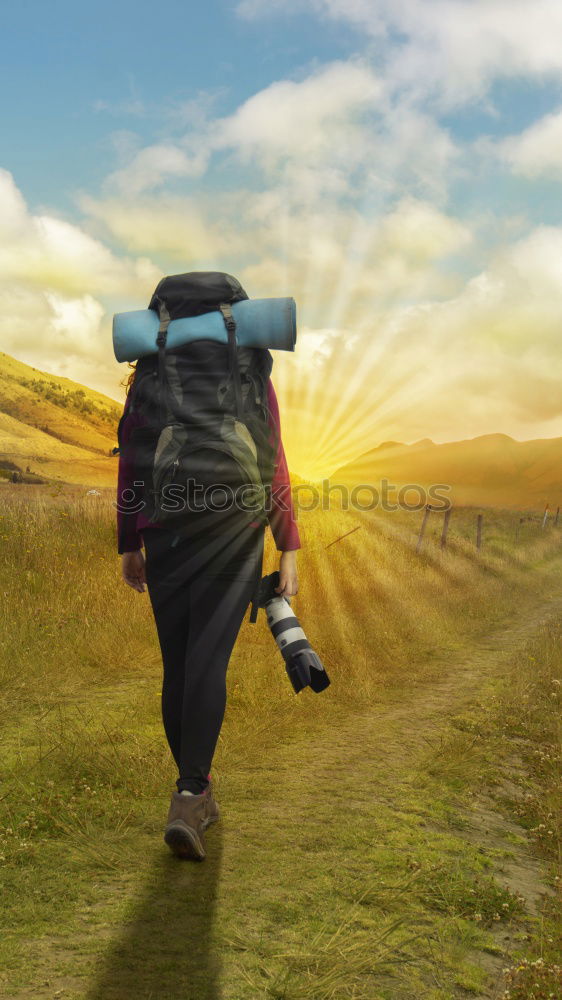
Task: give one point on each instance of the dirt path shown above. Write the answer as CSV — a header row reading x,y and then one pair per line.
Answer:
x,y
314,824
305,829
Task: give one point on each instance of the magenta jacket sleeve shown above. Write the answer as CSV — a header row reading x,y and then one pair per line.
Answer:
x,y
282,516
128,538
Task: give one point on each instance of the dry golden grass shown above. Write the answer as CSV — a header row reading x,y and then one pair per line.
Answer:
x,y
341,867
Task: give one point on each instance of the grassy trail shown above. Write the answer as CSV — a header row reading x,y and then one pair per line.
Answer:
x,y
343,865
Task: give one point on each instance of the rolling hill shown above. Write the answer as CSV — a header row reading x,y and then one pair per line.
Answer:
x,y
56,428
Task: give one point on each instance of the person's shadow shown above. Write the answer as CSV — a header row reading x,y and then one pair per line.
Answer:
x,y
167,949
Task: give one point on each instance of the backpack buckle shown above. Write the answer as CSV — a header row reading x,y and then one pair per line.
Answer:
x,y
229,320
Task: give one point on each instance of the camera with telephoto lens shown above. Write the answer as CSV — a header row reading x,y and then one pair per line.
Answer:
x,y
303,665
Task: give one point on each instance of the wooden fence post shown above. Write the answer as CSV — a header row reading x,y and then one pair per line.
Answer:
x,y
423,524
479,531
445,527
544,520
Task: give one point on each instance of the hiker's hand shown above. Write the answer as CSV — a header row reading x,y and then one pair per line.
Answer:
x,y
288,579
132,566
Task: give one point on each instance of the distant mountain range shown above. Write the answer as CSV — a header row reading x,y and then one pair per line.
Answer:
x,y
492,469
61,430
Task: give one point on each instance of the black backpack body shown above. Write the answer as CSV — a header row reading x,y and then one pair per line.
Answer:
x,y
203,457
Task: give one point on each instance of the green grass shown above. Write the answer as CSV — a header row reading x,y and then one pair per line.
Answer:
x,y
346,863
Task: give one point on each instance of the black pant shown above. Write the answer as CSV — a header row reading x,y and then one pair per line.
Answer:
x,y
199,589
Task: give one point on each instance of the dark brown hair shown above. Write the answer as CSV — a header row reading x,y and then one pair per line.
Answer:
x,y
130,378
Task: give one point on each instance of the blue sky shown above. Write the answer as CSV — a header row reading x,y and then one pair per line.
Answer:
x,y
394,166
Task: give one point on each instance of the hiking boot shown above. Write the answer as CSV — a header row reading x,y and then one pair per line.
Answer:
x,y
188,817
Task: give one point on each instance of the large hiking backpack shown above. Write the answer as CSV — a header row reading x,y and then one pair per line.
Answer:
x,y
203,455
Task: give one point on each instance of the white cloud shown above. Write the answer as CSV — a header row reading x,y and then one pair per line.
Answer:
x,y
449,50
536,259
75,321
45,326
54,278
317,346
49,253
304,120
311,133
505,321
420,233
333,134
413,153
537,151
152,166
13,210
181,229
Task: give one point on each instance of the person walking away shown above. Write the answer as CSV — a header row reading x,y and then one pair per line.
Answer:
x,y
199,589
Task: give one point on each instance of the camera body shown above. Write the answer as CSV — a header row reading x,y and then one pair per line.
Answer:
x,y
303,665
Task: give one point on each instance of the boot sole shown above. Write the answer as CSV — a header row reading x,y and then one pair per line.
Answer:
x,y
183,839
184,842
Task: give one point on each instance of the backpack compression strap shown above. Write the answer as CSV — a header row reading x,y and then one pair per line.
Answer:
x,y
230,324
161,341
255,599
